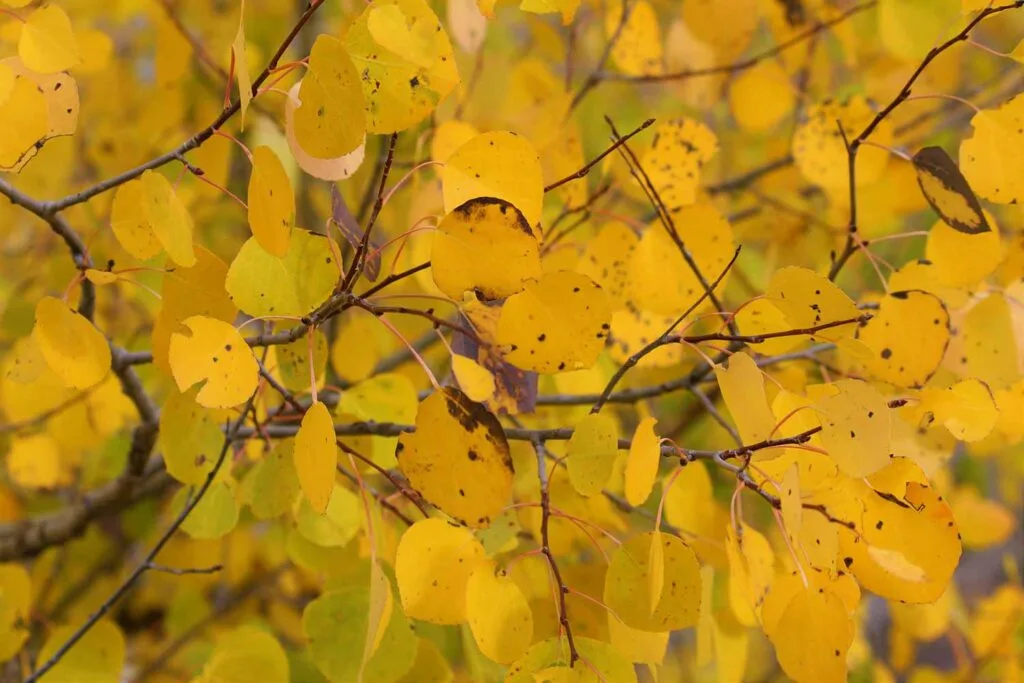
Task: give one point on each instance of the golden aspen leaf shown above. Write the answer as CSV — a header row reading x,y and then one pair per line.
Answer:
x,y
407,76
216,515
15,603
352,358
808,299
992,159
642,463
906,337
690,506
47,42
271,202
989,342
947,191
458,458
334,527
751,568
484,245
628,584
168,218
606,260
316,456
262,284
190,437
820,152
468,28
638,646
661,280
59,90
742,386
967,409
498,164
71,345
812,637
557,323
591,453
638,51
856,428
433,565
673,163
34,462
275,483
762,316
100,277
728,28
430,665
655,571
633,329
908,29
98,657
476,381
338,168
983,523
244,654
450,135
295,366
130,223
992,625
498,614
548,661
567,8
761,96
791,505
536,105
963,260
23,117
385,397
216,354
241,66
907,546
330,122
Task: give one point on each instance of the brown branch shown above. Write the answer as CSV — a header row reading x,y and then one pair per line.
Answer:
x,y
393,278
154,567
595,77
358,261
404,490
582,173
761,338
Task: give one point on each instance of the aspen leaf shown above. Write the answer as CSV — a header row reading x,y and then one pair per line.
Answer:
x,y
963,260
34,462
967,409
468,28
458,458
262,284
72,347
216,354
316,456
606,261
271,202
548,660
947,191
275,482
983,523
450,135
337,168
678,152
994,620
820,152
909,28
23,115
642,462
751,563
856,428
244,654
661,279
190,437
742,386
989,342
591,453
100,277
628,584
216,515
168,218
992,159
242,66
498,164
385,397
47,43
762,316
334,527
15,602
330,121
484,245
812,637
557,323
475,381
407,76
567,8
98,657
791,505
808,299
294,363
761,96
498,614
130,224
638,51
906,338
433,565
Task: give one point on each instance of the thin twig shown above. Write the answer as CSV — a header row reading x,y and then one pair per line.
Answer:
x,y
582,173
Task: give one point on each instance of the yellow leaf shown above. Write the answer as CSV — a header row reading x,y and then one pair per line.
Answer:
x,y
72,347
130,223
629,584
983,523
47,43
294,364
316,456
242,66
791,503
642,462
557,323
674,162
591,453
963,260
812,637
856,428
909,28
638,51
475,381
98,656
742,386
433,565
100,277
761,96
468,28
567,8
989,342
498,614
168,218
661,280
458,458
216,515
262,284
15,602
216,354
606,260
34,462
656,572
244,654
338,168
808,299
484,245
967,409
271,202
23,117
402,81
995,620
334,527
275,483
450,135
992,159
385,397
497,164
906,337
820,152
352,358
762,316
430,665
947,191
548,662
751,568
393,31
190,437
330,121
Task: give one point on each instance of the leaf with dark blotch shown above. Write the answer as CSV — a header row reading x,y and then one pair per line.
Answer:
x,y
515,390
353,234
947,191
